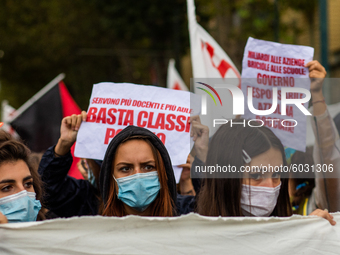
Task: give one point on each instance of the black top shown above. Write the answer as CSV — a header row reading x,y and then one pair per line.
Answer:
x,y
66,196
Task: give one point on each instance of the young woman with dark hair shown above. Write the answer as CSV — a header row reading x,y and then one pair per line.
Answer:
x,y
20,184
136,176
246,193
230,196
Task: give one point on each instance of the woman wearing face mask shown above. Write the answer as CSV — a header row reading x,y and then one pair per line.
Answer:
x,y
136,176
247,193
20,186
70,197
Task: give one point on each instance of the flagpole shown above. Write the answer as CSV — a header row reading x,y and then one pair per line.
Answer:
x,y
192,25
37,96
4,103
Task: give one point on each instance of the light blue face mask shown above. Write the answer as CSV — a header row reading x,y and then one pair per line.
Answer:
x,y
20,207
139,190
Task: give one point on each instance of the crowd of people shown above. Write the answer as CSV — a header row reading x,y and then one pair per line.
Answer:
x,y
136,176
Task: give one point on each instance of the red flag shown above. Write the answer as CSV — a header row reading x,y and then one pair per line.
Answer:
x,y
70,107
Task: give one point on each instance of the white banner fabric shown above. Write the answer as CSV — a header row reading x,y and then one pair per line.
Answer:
x,y
189,234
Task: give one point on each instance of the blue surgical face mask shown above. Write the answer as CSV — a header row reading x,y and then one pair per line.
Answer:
x,y
139,190
20,207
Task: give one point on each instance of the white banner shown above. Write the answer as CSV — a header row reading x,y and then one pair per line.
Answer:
x,y
209,60
174,80
190,234
277,66
113,106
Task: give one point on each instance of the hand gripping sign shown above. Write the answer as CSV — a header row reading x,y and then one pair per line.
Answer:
x,y
113,106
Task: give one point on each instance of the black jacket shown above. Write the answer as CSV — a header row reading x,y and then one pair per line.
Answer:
x,y
64,195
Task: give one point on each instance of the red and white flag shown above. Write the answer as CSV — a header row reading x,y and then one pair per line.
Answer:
x,y
174,80
210,61
208,58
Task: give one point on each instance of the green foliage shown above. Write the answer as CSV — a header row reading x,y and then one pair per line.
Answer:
x,y
41,39
121,41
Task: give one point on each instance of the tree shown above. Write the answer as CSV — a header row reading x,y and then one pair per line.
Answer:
x,y
91,41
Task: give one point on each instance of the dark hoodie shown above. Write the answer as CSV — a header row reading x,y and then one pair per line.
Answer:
x,y
185,204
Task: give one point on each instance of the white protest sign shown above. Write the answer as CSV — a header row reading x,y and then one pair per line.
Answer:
x,y
113,106
277,66
177,173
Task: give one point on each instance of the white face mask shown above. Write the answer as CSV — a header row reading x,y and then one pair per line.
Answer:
x,y
259,201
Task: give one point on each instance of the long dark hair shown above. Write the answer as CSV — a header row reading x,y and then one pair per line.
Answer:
x,y
12,150
222,196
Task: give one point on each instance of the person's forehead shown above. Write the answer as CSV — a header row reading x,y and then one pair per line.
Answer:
x,y
134,149
271,157
14,170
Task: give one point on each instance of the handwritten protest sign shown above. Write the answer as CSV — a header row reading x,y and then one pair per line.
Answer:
x,y
113,106
274,65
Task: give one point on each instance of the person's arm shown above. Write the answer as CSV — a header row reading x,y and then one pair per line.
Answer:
x,y
68,133
66,196
200,134
326,194
185,184
317,73
326,154
324,214
324,142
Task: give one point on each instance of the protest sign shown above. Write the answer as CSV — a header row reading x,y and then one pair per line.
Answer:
x,y
113,106
177,173
275,68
